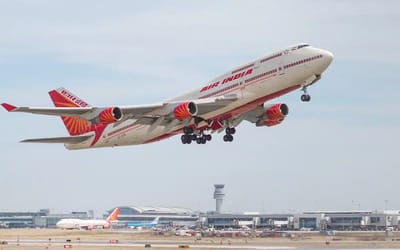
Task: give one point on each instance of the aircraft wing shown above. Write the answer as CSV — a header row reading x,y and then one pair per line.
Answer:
x,y
67,140
56,111
162,114
86,113
144,114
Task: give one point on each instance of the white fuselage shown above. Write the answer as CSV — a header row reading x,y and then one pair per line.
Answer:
x,y
82,224
253,83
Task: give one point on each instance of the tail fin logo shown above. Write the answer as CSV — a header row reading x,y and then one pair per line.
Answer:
x,y
72,98
114,215
63,98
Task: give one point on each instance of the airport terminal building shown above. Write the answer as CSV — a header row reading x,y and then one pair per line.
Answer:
x,y
184,217
41,219
168,216
320,220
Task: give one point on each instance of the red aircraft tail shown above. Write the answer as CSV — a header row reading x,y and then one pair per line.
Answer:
x,y
63,98
113,216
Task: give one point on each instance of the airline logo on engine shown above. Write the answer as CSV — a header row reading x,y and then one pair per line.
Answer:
x,y
228,79
73,98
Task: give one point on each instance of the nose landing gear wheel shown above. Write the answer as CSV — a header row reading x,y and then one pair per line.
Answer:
x,y
305,98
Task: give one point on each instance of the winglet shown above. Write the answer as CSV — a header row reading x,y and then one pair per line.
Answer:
x,y
8,107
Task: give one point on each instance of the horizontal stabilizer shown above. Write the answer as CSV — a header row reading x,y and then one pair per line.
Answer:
x,y
67,140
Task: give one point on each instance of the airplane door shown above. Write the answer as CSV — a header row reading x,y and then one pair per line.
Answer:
x,y
281,65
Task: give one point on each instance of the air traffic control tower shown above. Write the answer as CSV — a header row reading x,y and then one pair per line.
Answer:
x,y
219,197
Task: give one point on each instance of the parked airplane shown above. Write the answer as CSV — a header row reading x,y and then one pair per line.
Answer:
x,y
88,224
220,105
153,223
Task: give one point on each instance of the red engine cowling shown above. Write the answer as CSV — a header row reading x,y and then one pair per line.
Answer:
x,y
110,115
277,111
274,114
270,123
185,110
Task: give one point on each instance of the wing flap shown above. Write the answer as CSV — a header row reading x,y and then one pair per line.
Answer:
x,y
67,140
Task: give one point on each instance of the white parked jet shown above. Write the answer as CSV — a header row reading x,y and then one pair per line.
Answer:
x,y
220,105
89,224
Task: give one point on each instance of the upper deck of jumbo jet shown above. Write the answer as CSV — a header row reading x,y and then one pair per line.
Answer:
x,y
298,52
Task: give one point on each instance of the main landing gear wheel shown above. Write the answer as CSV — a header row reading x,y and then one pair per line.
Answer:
x,y
228,138
198,136
202,139
229,132
186,139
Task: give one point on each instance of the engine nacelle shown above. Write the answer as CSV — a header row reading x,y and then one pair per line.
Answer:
x,y
270,123
185,110
277,111
274,114
110,115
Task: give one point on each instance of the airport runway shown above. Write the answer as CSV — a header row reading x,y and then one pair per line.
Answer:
x,y
35,239
170,244
164,244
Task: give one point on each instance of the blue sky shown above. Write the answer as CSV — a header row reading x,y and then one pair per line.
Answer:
x,y
332,153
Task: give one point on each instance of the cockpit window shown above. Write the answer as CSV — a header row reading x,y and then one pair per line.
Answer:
x,y
302,46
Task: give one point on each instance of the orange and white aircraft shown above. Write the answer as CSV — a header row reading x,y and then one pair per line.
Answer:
x,y
89,224
220,105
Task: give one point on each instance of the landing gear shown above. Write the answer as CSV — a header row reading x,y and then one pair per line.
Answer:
x,y
305,97
191,135
200,137
187,130
228,138
186,139
229,132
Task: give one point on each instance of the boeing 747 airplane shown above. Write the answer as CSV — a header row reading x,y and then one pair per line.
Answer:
x,y
88,224
220,105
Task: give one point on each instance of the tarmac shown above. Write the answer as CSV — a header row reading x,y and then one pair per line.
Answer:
x,y
35,239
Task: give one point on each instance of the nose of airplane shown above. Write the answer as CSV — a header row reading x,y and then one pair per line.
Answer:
x,y
328,56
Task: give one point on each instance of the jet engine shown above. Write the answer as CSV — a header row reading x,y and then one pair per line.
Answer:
x,y
185,110
274,114
110,115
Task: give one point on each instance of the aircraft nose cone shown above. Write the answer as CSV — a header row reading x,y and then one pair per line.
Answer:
x,y
328,56
325,61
